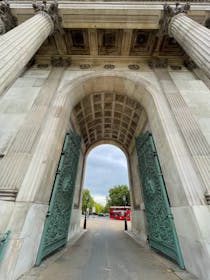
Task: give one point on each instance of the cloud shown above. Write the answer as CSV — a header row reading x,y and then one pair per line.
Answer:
x,y
106,166
100,199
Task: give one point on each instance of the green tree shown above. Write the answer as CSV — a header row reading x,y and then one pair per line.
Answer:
x,y
116,194
87,201
99,207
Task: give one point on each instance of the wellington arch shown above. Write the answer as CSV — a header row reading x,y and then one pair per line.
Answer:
x,y
71,80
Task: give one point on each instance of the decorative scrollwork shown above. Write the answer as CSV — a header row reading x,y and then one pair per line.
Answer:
x,y
109,66
161,230
57,221
169,13
60,61
207,196
51,10
190,64
133,66
84,66
207,23
158,62
7,20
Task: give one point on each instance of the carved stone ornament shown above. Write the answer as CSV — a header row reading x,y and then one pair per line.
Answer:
x,y
50,10
133,67
84,66
7,20
207,23
190,64
60,61
207,196
169,13
158,62
109,66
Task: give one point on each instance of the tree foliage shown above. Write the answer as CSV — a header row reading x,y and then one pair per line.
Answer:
x,y
116,194
98,207
115,198
87,201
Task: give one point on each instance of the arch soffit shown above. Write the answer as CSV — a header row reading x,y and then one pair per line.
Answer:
x,y
149,96
137,88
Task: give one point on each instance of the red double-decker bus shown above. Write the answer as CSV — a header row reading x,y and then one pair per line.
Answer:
x,y
120,212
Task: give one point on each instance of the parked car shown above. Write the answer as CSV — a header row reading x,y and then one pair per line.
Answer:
x,y
101,215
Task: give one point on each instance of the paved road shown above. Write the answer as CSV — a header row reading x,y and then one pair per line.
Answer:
x,y
105,252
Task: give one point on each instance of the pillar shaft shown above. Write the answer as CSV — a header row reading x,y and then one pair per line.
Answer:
x,y
19,45
193,38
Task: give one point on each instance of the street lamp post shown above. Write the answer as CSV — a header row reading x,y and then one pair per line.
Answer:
x,y
124,199
85,220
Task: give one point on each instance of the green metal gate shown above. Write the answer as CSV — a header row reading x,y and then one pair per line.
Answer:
x,y
160,225
57,221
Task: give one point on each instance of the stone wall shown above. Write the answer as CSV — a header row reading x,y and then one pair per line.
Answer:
x,y
34,116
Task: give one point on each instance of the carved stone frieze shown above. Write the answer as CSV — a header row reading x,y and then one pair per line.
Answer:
x,y
207,23
7,20
84,66
109,66
207,196
168,13
158,62
133,67
189,64
60,61
51,10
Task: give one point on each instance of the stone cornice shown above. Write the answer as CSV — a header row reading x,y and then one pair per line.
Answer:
x,y
124,14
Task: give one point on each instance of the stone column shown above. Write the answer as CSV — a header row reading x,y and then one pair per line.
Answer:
x,y
19,45
191,36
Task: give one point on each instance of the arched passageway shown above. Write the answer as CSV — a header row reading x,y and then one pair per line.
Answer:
x,y
106,167
114,108
117,109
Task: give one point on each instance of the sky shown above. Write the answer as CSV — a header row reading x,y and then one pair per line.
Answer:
x,y
106,166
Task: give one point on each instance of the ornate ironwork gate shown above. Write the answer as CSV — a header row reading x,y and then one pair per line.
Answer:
x,y
160,225
57,221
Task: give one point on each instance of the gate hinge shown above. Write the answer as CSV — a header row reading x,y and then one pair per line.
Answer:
x,y
48,213
170,216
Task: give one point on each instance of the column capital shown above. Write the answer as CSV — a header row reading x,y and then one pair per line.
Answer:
x,y
50,11
7,20
169,12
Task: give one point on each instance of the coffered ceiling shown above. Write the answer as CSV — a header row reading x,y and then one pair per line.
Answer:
x,y
108,116
107,30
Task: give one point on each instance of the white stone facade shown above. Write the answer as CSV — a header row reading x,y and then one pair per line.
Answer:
x,y
55,92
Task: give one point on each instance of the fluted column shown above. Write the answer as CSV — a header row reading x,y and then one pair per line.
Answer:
x,y
19,45
193,38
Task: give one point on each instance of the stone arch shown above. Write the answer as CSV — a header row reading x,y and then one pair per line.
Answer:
x,y
162,124
173,155
183,185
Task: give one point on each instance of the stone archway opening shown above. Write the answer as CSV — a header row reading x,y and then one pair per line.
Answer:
x,y
102,109
109,117
115,113
106,167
